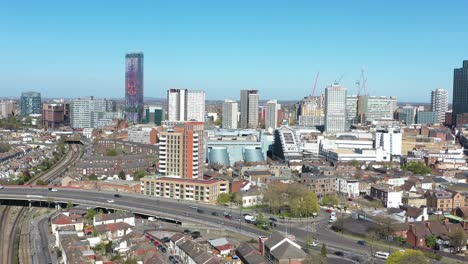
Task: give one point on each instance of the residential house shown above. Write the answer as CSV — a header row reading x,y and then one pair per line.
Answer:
x,y
279,249
348,187
444,201
388,194
251,197
63,220
113,231
192,253
116,217
221,246
248,254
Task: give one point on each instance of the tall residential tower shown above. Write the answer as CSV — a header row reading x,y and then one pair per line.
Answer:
x,y
439,104
249,109
335,108
186,105
230,110
30,103
134,105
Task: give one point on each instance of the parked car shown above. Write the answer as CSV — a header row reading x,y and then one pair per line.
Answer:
x,y
272,219
214,213
200,211
152,219
328,211
2,187
382,255
361,242
338,253
312,244
166,240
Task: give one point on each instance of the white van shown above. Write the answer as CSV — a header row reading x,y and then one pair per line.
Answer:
x,y
382,255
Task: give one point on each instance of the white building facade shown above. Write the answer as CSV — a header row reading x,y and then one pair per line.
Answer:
x,y
186,105
335,109
230,113
271,117
439,103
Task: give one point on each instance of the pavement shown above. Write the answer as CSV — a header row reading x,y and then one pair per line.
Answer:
x,y
184,211
42,241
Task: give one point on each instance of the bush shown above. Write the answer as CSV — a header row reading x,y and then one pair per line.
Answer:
x,y
433,255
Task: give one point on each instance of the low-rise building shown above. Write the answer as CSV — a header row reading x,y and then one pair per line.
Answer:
x,y
117,217
390,197
280,249
347,187
444,201
113,231
321,185
205,191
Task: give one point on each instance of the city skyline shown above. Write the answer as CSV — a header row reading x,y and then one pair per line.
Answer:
x,y
222,48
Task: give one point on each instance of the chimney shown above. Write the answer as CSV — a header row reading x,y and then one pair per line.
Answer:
x,y
406,219
261,244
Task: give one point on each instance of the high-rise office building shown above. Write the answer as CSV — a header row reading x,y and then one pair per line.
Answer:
x,y
460,91
185,105
153,115
86,112
351,110
249,109
30,103
230,111
134,104
439,103
181,150
375,108
271,116
335,108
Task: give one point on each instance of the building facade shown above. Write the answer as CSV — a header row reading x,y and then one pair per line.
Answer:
x,y
426,117
204,191
460,91
30,103
7,108
55,115
134,95
185,105
86,112
249,109
230,111
374,108
153,115
390,197
390,141
271,117
335,109
439,104
181,150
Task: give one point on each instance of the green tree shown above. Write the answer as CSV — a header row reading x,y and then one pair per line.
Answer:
x,y
122,175
431,241
41,182
409,256
223,198
92,177
4,147
323,250
416,167
69,205
457,239
91,213
330,200
111,152
108,247
138,175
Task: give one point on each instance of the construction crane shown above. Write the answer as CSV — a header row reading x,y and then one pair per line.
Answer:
x,y
315,84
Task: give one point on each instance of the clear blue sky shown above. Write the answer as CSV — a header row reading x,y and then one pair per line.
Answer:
x,y
77,48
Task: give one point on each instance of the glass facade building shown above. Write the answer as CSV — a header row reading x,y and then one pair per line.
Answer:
x,y
134,87
30,103
460,90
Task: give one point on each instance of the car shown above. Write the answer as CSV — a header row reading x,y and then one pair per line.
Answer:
x,y
187,231
54,190
117,195
382,255
110,201
156,243
171,258
200,211
160,247
272,219
152,219
361,242
237,218
166,240
214,213
312,244
328,211
338,253
331,220
193,207
2,187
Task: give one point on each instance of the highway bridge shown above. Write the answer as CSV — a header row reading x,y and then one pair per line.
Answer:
x,y
175,211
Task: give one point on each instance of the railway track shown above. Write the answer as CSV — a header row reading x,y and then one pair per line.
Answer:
x,y
4,223
73,155
14,235
24,254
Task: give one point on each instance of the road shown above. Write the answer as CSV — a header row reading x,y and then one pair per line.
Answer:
x,y
182,211
179,211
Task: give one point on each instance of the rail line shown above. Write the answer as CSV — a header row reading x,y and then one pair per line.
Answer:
x,y
3,218
14,235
